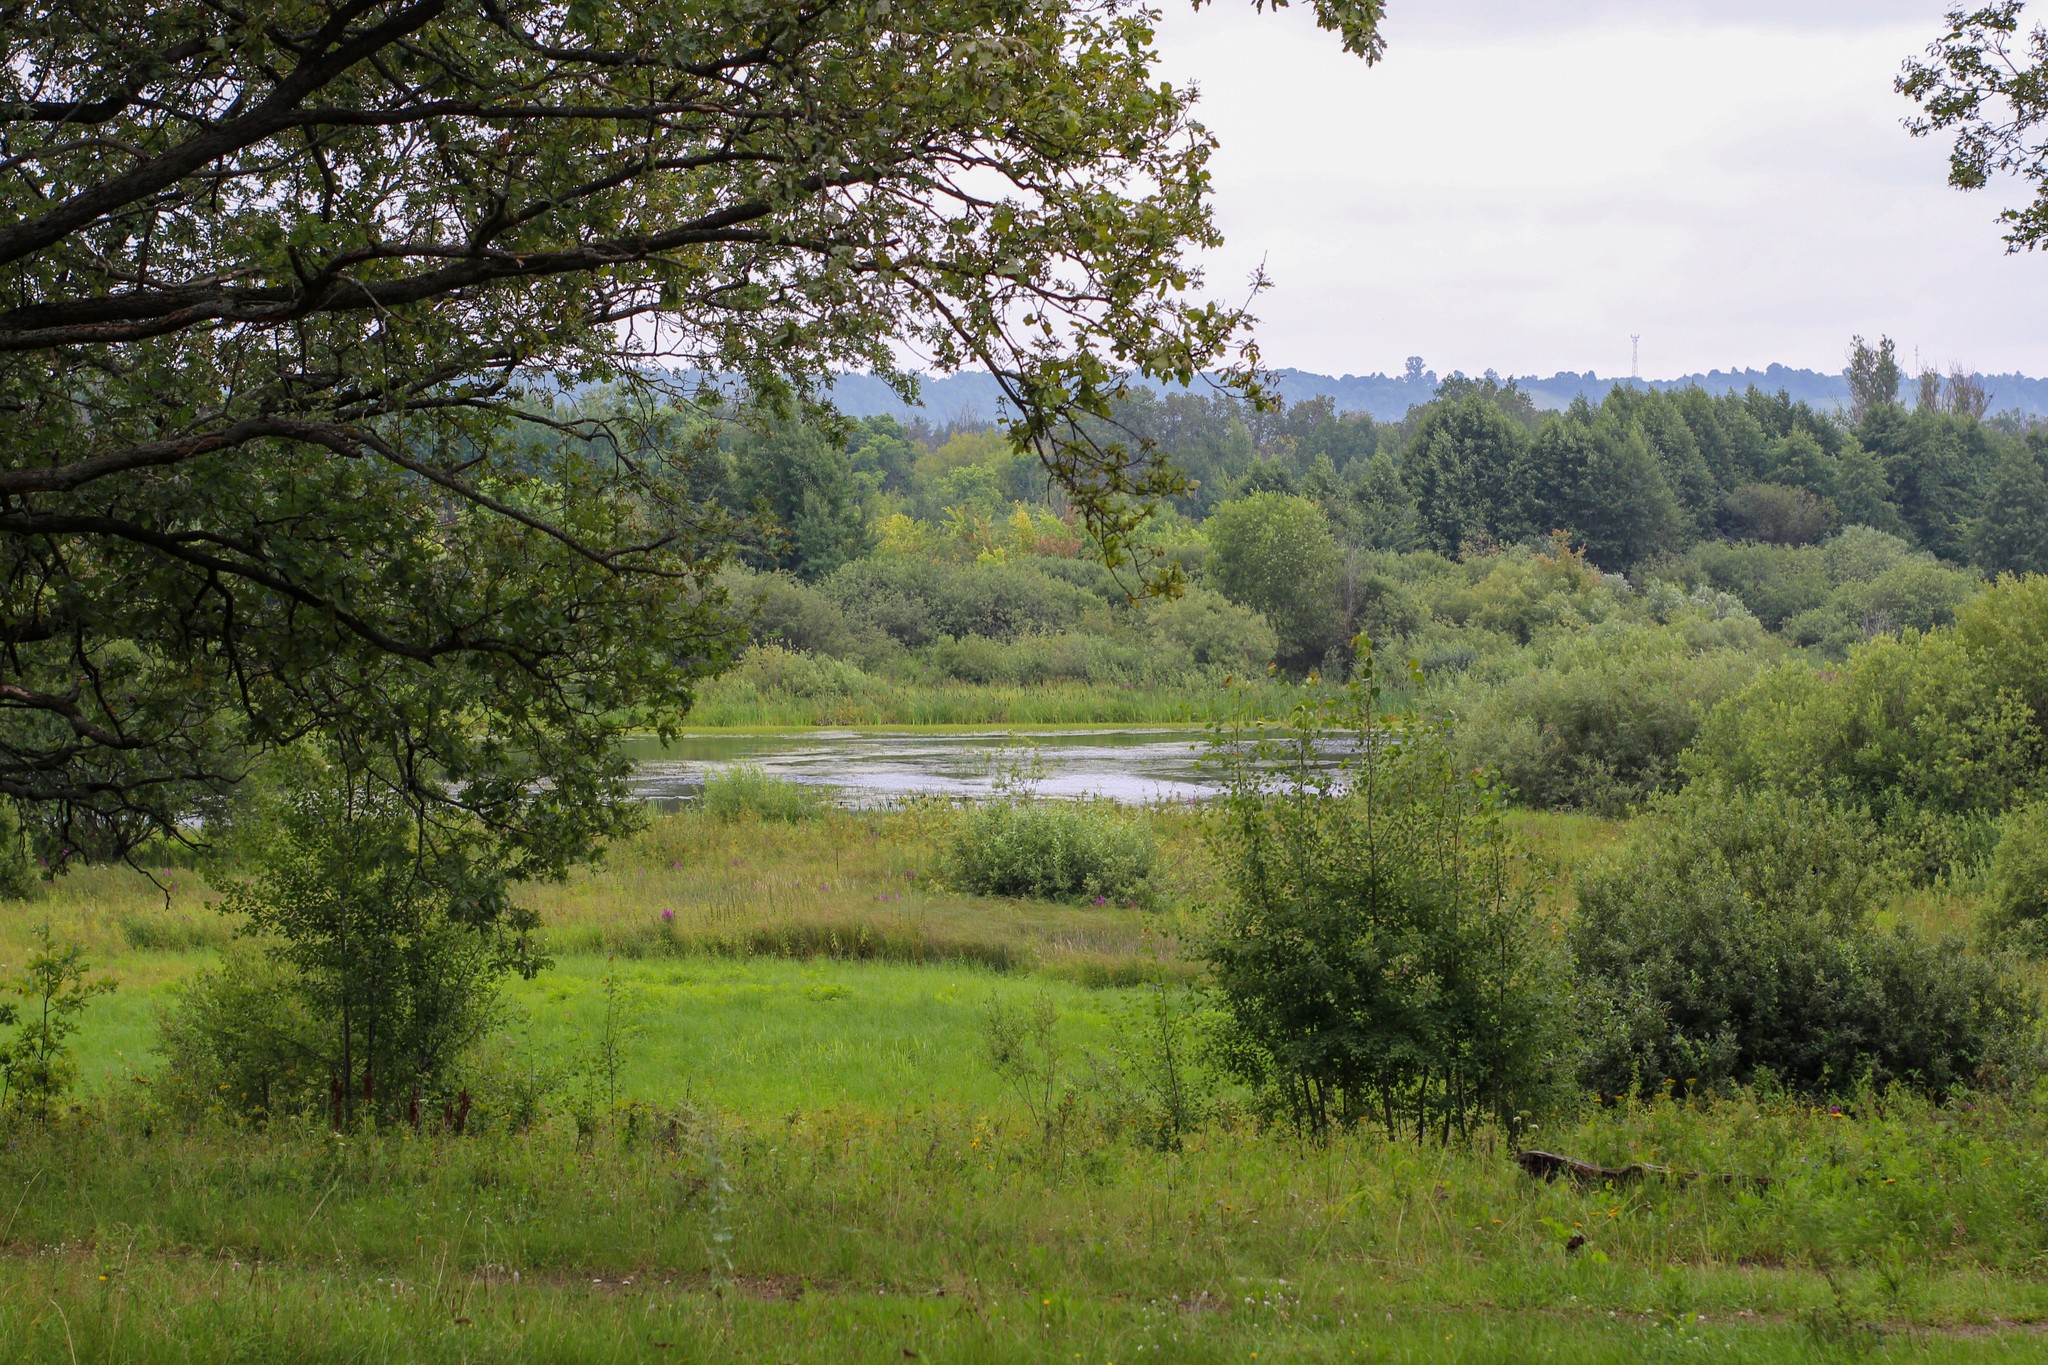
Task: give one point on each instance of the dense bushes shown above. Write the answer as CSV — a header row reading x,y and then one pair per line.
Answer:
x,y
1599,723
1051,850
2019,878
1213,632
916,601
1274,553
1937,733
1831,596
1731,940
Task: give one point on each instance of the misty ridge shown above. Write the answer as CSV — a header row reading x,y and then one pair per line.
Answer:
x,y
976,397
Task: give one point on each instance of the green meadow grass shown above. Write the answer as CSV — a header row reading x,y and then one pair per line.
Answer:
x,y
759,1037
1900,1233
818,1166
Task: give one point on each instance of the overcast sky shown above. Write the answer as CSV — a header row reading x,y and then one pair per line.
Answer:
x,y
1524,185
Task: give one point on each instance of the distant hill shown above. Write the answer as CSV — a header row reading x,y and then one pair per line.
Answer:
x,y
976,397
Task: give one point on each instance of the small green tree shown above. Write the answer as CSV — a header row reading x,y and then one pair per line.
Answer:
x,y
53,988
1274,553
1376,957
389,935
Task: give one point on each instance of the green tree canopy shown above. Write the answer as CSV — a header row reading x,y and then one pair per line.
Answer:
x,y
293,294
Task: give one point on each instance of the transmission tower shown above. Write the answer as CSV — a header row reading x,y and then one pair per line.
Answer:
x,y
1635,356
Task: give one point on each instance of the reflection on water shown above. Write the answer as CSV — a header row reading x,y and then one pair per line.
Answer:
x,y
871,769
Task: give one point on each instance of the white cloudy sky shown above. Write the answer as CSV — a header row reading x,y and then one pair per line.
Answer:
x,y
1523,185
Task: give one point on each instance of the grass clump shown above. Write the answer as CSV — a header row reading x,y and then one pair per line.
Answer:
x,y
1087,850
745,791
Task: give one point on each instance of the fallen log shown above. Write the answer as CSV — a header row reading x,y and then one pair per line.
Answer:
x,y
1548,1166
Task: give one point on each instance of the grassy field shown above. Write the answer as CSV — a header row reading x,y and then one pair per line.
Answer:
x,y
817,1165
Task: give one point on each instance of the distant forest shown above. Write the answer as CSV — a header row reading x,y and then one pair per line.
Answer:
x,y
883,561
1638,477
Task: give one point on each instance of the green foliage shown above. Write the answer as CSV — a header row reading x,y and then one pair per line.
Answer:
x,y
744,791
1776,582
802,487
382,932
1214,632
1873,374
50,993
1732,940
2011,534
1778,514
1599,722
1274,553
1937,733
1987,81
2019,878
241,1037
1376,957
1460,468
798,617
1522,594
1383,513
917,601
1093,850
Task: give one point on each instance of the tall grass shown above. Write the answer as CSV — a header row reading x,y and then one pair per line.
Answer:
x,y
738,704
1902,1232
744,790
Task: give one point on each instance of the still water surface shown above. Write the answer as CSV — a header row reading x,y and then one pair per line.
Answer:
x,y
872,769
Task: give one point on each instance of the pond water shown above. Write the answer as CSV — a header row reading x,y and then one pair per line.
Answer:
x,y
1136,765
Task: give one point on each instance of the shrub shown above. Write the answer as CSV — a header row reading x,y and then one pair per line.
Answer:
x,y
1376,957
382,942
1152,1084
1776,582
1918,593
53,989
1522,594
240,1037
1024,1048
1273,552
2019,878
918,601
772,671
1033,659
1214,632
789,612
745,791
1051,850
1382,609
1731,941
